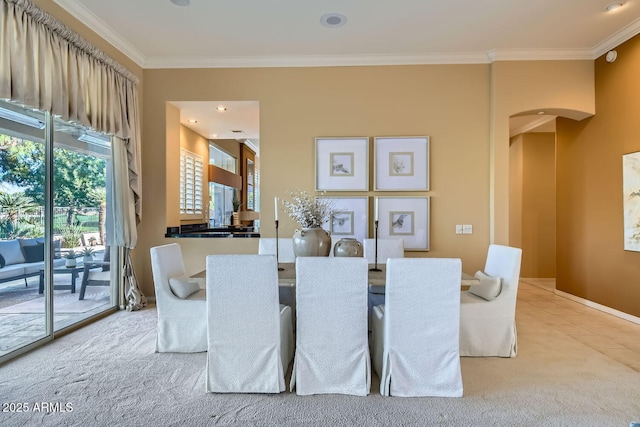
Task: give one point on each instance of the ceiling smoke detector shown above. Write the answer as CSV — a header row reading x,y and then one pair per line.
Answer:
x,y
333,20
180,2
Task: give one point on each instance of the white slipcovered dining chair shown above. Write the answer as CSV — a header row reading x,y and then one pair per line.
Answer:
x,y
250,339
387,248
267,246
332,353
182,322
415,335
488,328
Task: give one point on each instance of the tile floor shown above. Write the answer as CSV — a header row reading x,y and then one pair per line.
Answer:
x,y
610,335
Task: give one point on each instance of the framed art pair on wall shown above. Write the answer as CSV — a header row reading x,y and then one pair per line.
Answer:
x,y
405,218
400,164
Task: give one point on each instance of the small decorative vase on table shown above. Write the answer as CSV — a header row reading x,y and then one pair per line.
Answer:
x,y
311,242
311,213
348,247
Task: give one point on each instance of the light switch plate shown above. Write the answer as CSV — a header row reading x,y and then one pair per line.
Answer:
x,y
458,229
467,229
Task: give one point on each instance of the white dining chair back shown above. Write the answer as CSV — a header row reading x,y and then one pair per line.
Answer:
x,y
182,325
267,246
415,335
488,328
387,248
332,353
250,339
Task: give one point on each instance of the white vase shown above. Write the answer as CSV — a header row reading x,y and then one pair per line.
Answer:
x,y
87,258
311,242
70,262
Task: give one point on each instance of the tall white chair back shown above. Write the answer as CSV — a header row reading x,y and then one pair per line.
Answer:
x,y
267,246
182,326
332,353
387,248
488,328
415,335
250,333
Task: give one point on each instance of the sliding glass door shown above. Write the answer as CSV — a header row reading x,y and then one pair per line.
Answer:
x,y
57,220
23,310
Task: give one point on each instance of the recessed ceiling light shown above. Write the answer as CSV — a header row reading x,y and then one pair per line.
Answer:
x,y
221,108
540,113
180,2
613,7
213,135
333,20
192,121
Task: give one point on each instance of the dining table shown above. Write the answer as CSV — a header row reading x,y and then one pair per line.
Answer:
x,y
377,277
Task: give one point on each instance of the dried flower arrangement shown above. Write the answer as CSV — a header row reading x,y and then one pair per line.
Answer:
x,y
307,210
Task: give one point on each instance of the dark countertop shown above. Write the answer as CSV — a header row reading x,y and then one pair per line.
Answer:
x,y
200,230
217,234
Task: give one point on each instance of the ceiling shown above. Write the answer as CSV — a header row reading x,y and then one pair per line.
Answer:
x,y
260,33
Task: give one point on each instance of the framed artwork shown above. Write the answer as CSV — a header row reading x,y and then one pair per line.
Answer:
x,y
349,217
631,200
342,164
406,218
401,163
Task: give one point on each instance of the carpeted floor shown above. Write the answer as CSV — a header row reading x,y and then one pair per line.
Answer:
x,y
107,374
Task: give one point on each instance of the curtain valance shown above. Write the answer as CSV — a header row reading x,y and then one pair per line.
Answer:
x,y
48,66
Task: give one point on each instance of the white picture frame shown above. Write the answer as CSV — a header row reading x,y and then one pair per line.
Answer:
x,y
631,200
401,163
342,163
404,217
349,217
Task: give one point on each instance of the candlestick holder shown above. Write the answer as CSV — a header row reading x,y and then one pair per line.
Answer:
x,y
375,265
277,249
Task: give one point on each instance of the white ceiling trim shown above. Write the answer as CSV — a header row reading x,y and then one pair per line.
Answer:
x,y
617,39
539,54
84,15
315,61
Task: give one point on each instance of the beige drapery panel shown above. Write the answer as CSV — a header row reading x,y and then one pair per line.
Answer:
x,y
46,65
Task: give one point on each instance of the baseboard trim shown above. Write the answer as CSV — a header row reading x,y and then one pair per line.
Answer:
x,y
600,307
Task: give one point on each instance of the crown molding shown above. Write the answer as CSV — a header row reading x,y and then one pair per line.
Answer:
x,y
616,39
314,61
84,15
538,54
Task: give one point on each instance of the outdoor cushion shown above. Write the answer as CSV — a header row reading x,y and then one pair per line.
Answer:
x,y
182,287
488,288
34,253
11,251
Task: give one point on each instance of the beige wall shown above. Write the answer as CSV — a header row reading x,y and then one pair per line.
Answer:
x,y
562,88
533,203
299,104
516,159
591,262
